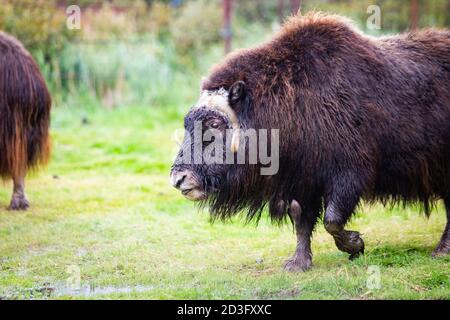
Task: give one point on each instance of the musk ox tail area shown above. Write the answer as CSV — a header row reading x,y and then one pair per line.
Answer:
x,y
24,117
24,111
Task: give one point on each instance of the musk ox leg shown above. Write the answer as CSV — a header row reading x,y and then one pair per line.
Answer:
x,y
346,241
19,200
443,247
304,226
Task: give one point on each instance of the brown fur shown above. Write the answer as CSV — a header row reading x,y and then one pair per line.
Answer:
x,y
343,98
24,111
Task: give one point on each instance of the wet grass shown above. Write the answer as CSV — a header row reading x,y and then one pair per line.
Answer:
x,y
104,223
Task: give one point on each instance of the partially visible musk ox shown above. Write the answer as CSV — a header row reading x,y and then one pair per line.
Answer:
x,y
359,118
24,117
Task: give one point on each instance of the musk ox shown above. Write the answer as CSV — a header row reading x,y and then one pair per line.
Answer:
x,y
24,117
358,118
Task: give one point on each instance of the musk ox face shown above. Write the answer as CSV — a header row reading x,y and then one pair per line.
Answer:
x,y
212,132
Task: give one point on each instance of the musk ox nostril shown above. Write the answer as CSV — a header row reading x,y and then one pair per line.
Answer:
x,y
179,181
178,178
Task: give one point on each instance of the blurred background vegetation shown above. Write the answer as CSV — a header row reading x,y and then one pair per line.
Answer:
x,y
154,52
121,85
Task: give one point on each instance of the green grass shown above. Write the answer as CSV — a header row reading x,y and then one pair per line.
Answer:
x,y
104,207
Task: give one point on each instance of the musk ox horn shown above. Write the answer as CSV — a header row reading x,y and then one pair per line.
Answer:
x,y
235,140
218,100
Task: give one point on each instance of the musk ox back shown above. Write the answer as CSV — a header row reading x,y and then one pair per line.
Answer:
x,y
358,118
24,116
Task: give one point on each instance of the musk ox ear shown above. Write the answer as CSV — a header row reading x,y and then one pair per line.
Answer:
x,y
202,83
237,92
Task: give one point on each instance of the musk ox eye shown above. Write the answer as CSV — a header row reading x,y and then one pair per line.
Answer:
x,y
214,124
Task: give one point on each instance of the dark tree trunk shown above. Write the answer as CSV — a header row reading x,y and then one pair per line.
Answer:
x,y
280,11
227,24
295,6
414,14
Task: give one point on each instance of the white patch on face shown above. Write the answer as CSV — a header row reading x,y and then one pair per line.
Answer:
x,y
214,99
218,100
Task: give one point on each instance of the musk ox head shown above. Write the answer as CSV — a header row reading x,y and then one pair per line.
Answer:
x,y
227,155
212,135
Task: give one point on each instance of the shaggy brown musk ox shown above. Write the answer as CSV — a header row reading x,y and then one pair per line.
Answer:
x,y
359,118
24,117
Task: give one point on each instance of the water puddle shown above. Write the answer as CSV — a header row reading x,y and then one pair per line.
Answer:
x,y
48,291
91,291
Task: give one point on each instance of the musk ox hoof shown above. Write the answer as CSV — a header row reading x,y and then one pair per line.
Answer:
x,y
297,264
19,203
440,251
355,255
350,242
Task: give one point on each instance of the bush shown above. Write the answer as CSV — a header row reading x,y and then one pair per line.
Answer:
x,y
197,26
122,72
262,11
39,24
160,18
108,22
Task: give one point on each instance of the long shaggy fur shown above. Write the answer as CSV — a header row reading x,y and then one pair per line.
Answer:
x,y
372,111
24,111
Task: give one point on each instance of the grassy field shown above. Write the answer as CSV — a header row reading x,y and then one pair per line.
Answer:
x,y
105,223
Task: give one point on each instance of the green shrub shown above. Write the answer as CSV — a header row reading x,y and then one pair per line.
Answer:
x,y
161,15
196,27
143,72
106,23
39,24
262,11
